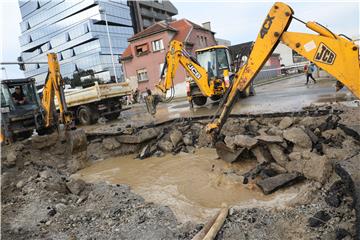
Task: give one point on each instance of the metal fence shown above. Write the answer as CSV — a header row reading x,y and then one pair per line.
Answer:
x,y
269,73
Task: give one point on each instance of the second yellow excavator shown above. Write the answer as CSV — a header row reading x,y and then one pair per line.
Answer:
x,y
336,54
211,72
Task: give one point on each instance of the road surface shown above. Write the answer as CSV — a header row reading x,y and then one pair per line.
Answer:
x,y
282,96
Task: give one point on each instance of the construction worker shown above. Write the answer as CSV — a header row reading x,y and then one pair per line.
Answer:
x,y
309,71
18,96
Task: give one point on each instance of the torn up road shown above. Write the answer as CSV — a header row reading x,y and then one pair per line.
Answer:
x,y
300,168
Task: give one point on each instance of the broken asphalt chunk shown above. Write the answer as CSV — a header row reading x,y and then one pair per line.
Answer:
x,y
319,219
227,154
140,137
269,139
271,184
297,136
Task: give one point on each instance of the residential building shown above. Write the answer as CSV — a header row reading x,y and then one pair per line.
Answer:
x,y
146,13
219,41
143,59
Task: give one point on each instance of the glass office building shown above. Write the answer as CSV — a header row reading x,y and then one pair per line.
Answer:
x,y
77,32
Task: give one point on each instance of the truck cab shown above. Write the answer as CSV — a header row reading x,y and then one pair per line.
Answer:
x,y
20,118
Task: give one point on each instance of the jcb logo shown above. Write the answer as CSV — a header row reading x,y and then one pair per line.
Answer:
x,y
266,26
325,55
194,71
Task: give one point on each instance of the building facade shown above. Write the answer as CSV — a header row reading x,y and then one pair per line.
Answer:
x,y
80,32
146,13
77,32
289,57
143,59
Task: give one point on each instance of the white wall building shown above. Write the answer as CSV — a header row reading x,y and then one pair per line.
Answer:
x,y
288,57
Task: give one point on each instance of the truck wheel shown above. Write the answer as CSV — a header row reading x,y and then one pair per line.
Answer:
x,y
215,97
87,115
199,101
112,116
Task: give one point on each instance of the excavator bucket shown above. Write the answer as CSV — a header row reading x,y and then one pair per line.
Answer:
x,y
76,140
227,154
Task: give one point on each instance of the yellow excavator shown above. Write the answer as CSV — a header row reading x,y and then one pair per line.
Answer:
x,y
210,72
336,54
22,111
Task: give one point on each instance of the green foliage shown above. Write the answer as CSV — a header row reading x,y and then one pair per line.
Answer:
x,y
83,78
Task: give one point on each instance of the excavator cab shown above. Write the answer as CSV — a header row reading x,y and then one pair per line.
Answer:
x,y
21,110
217,62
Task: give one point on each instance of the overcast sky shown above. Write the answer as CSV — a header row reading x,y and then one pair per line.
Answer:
x,y
237,21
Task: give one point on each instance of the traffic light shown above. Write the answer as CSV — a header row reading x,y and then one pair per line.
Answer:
x,y
21,63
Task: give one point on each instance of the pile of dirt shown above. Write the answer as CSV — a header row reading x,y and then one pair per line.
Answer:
x,y
41,201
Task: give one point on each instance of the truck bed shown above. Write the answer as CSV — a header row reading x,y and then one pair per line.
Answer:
x,y
75,97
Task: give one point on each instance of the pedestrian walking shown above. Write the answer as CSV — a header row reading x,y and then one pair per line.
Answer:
x,y
309,71
135,96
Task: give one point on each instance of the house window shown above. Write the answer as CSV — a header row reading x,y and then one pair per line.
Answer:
x,y
142,75
142,49
158,45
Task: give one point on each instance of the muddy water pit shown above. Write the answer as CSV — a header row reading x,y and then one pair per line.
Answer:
x,y
192,185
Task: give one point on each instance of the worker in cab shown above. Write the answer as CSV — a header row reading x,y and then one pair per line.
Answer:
x,y
18,96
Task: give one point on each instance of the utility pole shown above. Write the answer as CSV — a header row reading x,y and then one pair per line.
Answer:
x,y
102,10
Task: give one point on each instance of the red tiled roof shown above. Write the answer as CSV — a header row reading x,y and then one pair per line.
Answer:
x,y
197,26
183,27
155,28
127,53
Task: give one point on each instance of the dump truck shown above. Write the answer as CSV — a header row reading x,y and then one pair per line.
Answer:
x,y
100,100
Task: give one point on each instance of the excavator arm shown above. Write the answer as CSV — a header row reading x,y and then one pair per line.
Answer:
x,y
335,54
175,56
54,86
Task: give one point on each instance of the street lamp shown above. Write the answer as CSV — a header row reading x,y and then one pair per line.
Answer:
x,y
102,10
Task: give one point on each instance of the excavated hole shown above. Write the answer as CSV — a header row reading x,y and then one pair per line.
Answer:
x,y
173,164
177,165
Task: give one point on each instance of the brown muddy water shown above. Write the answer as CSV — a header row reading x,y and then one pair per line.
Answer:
x,y
192,185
